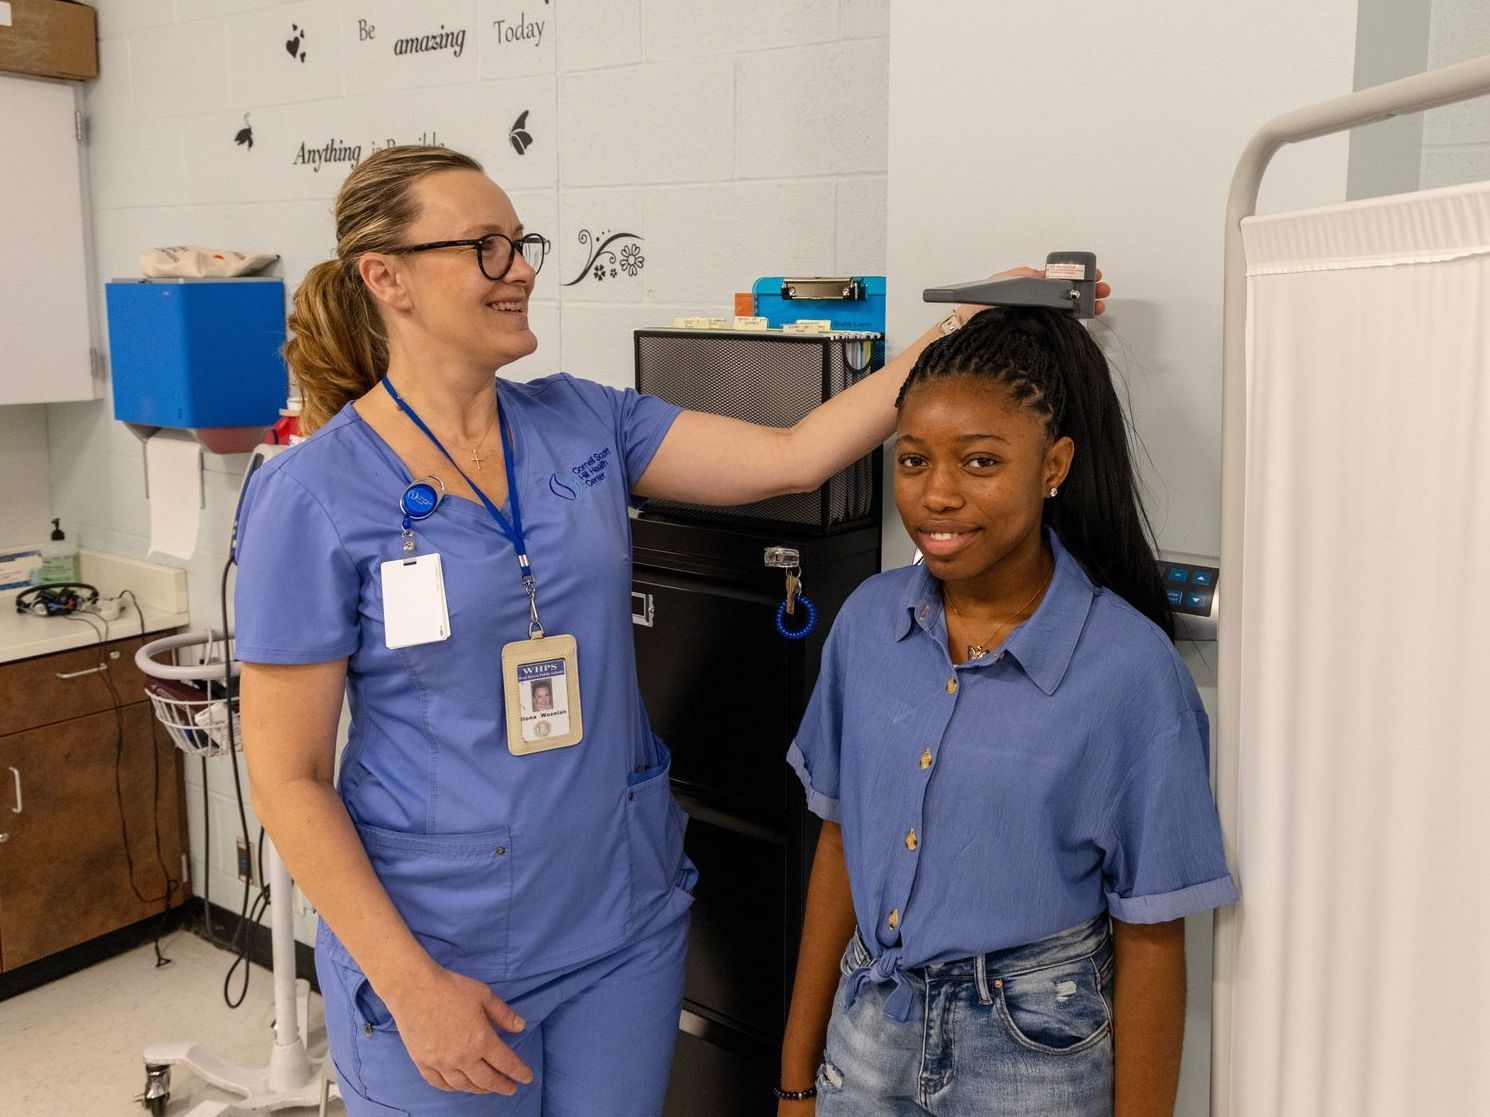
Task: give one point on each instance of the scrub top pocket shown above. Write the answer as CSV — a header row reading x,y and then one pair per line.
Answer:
x,y
453,890
1057,1010
654,830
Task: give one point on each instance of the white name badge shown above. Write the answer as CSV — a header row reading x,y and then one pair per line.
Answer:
x,y
540,684
414,609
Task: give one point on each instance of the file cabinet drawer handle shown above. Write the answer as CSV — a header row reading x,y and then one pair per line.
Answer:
x,y
643,608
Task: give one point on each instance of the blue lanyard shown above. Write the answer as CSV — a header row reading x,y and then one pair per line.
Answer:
x,y
512,529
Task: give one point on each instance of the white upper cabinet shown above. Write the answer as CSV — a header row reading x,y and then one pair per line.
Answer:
x,y
46,332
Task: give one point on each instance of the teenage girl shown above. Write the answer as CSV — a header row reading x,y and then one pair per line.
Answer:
x,y
1011,763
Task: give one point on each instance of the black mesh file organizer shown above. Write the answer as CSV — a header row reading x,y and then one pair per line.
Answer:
x,y
773,379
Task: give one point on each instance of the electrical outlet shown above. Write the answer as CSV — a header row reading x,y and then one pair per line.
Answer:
x,y
245,862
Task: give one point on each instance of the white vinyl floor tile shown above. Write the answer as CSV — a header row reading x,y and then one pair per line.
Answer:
x,y
73,1048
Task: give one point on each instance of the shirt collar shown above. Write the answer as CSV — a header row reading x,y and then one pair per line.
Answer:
x,y
1044,644
922,604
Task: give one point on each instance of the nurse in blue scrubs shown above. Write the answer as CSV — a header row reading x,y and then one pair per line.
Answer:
x,y
1011,763
498,866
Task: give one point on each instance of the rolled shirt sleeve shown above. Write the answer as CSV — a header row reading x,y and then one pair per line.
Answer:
x,y
816,752
1164,857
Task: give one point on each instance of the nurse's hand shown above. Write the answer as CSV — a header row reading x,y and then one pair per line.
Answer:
x,y
448,1024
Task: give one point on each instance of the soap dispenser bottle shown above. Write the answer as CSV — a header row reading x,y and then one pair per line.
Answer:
x,y
59,558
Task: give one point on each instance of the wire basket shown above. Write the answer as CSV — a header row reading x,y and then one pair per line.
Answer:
x,y
190,699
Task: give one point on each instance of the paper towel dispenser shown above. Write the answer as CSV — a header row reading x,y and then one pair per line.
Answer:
x,y
198,354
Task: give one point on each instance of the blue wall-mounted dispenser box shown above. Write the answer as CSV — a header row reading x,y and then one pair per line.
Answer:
x,y
198,354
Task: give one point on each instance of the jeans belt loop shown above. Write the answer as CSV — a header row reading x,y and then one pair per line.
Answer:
x,y
980,972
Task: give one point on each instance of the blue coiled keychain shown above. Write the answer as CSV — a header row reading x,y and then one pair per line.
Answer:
x,y
794,597
802,633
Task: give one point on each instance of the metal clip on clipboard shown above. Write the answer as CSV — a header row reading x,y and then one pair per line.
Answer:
x,y
1069,283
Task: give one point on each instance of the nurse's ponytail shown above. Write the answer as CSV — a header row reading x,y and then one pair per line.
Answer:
x,y
337,349
1047,361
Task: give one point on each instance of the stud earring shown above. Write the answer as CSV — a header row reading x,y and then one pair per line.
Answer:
x,y
1053,492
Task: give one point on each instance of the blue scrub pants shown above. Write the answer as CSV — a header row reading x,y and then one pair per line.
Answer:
x,y
599,1039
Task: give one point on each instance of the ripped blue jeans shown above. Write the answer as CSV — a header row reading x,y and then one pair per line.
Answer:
x,y
1017,1033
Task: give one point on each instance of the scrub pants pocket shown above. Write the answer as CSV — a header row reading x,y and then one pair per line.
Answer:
x,y
359,1028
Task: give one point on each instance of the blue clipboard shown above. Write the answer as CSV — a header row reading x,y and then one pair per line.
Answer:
x,y
855,302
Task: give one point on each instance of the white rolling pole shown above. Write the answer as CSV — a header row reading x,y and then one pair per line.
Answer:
x,y
290,1069
292,1080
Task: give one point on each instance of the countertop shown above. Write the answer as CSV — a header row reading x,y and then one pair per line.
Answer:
x,y
161,591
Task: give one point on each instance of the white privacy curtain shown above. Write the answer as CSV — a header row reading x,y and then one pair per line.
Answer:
x,y
1356,981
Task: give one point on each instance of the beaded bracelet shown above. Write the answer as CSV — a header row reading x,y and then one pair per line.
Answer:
x,y
794,1095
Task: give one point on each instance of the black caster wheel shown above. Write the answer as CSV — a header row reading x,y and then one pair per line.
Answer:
x,y
157,1104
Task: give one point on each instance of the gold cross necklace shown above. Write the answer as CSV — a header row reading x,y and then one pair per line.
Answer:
x,y
477,459
980,649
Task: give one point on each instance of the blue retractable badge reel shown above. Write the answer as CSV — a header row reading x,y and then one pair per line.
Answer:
x,y
418,502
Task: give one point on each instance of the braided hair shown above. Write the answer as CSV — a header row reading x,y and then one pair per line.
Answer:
x,y
1045,360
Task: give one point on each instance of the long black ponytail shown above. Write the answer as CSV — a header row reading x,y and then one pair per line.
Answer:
x,y
1046,360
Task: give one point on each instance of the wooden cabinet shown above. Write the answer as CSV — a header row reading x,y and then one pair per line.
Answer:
x,y
68,760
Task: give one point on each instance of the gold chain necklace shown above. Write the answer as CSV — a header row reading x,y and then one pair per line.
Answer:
x,y
980,649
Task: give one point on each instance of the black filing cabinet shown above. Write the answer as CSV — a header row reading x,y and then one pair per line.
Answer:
x,y
726,691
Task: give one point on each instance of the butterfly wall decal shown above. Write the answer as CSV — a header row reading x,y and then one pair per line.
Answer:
x,y
519,135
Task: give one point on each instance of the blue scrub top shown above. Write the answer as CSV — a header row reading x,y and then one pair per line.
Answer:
x,y
994,803
501,865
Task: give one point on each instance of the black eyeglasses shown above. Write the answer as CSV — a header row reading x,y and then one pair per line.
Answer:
x,y
494,252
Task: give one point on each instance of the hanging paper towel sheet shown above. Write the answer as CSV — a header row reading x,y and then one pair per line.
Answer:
x,y
173,474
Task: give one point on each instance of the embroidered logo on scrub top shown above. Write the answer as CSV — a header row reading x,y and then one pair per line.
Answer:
x,y
583,477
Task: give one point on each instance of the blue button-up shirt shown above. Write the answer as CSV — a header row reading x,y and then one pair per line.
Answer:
x,y
996,802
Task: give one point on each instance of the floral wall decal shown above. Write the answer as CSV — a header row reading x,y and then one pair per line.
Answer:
x,y
606,261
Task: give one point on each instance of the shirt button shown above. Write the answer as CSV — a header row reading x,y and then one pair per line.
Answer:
x,y
911,841
952,685
926,758
894,920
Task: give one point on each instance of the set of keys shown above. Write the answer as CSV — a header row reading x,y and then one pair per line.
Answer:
x,y
793,591
789,559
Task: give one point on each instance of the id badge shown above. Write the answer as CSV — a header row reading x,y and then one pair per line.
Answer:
x,y
414,609
540,683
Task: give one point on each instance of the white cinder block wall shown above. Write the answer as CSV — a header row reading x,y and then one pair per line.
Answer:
x,y
1456,139
25,509
729,140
